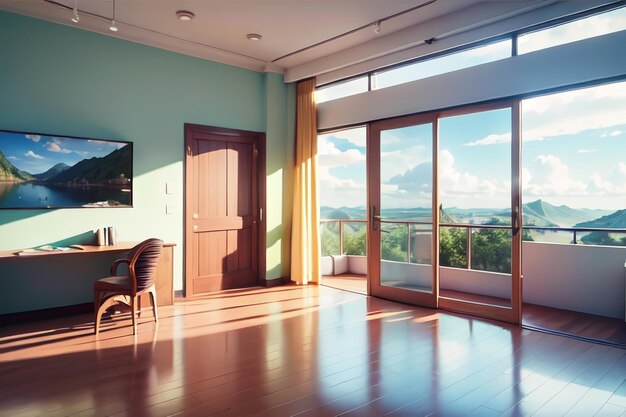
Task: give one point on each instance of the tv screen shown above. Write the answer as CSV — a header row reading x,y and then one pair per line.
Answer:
x,y
49,171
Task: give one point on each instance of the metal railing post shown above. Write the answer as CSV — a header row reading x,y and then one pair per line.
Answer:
x,y
575,241
408,243
341,237
468,249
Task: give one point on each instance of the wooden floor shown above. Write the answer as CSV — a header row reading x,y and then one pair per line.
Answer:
x,y
305,351
571,323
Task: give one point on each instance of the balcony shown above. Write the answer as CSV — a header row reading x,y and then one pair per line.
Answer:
x,y
569,276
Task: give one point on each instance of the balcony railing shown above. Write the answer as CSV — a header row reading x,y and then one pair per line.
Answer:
x,y
454,252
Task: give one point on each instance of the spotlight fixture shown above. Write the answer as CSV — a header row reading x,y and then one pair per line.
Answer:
x,y
377,27
254,37
185,15
75,17
113,27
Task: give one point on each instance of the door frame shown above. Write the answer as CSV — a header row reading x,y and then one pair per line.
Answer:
x,y
226,133
512,314
373,190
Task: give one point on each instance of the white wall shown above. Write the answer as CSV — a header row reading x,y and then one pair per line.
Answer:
x,y
492,284
589,279
582,278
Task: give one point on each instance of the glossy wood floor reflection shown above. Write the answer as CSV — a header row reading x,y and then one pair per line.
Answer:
x,y
305,351
566,322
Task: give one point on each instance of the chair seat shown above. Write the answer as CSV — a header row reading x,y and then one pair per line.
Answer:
x,y
113,283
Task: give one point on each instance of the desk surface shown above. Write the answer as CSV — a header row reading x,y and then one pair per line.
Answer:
x,y
119,247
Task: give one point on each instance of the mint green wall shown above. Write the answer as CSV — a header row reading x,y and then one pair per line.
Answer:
x,y
62,80
280,135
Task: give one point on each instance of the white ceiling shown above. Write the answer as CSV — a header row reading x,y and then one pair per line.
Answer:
x,y
219,29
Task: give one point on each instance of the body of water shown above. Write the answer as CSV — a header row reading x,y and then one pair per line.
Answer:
x,y
31,195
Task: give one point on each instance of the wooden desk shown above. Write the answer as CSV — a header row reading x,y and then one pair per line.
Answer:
x,y
165,267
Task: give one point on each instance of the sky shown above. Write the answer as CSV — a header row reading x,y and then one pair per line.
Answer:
x,y
573,144
36,154
573,153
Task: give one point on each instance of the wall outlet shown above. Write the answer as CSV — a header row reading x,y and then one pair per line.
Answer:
x,y
169,209
170,188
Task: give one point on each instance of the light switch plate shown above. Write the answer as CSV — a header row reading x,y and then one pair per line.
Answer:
x,y
170,188
169,209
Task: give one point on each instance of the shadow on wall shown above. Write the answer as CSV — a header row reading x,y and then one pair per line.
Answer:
x,y
10,216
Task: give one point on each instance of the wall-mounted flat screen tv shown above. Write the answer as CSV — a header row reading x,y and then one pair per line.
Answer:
x,y
48,171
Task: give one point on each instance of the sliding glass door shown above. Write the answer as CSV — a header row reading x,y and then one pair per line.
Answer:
x,y
480,235
444,210
402,210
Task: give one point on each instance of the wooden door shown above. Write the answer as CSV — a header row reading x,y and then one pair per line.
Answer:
x,y
223,210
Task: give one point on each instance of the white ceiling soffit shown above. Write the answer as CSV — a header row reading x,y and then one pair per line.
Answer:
x,y
319,35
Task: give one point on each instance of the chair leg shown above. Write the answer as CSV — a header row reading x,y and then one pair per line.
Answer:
x,y
139,306
96,303
105,303
153,298
133,304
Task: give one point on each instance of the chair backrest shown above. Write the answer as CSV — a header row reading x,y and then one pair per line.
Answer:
x,y
142,263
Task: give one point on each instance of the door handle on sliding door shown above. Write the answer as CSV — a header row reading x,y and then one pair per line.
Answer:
x,y
515,220
375,218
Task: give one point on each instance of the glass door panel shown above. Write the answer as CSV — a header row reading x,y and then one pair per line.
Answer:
x,y
479,211
401,210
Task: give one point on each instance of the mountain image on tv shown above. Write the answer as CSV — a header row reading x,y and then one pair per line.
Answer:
x,y
41,171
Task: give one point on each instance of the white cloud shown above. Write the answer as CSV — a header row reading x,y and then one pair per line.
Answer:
x,y
611,134
396,162
340,192
586,150
455,184
34,138
550,176
330,156
55,147
579,29
491,139
32,154
356,136
452,181
574,111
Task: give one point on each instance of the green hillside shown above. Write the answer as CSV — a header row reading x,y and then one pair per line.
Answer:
x,y
9,173
542,213
52,172
98,170
616,220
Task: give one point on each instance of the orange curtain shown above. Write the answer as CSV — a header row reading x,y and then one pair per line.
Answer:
x,y
305,243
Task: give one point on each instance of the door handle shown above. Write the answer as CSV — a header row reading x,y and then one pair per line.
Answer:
x,y
375,218
515,220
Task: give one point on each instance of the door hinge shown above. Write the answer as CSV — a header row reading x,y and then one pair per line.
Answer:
x,y
260,214
189,151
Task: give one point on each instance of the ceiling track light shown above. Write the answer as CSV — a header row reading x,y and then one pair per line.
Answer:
x,y
113,27
377,27
75,17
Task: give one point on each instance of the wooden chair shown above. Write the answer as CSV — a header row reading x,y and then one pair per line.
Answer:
x,y
127,289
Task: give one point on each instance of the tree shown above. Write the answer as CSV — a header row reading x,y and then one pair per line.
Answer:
x,y
452,247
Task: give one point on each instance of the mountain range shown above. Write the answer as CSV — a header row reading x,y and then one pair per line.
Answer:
x,y
536,213
52,172
94,170
615,220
